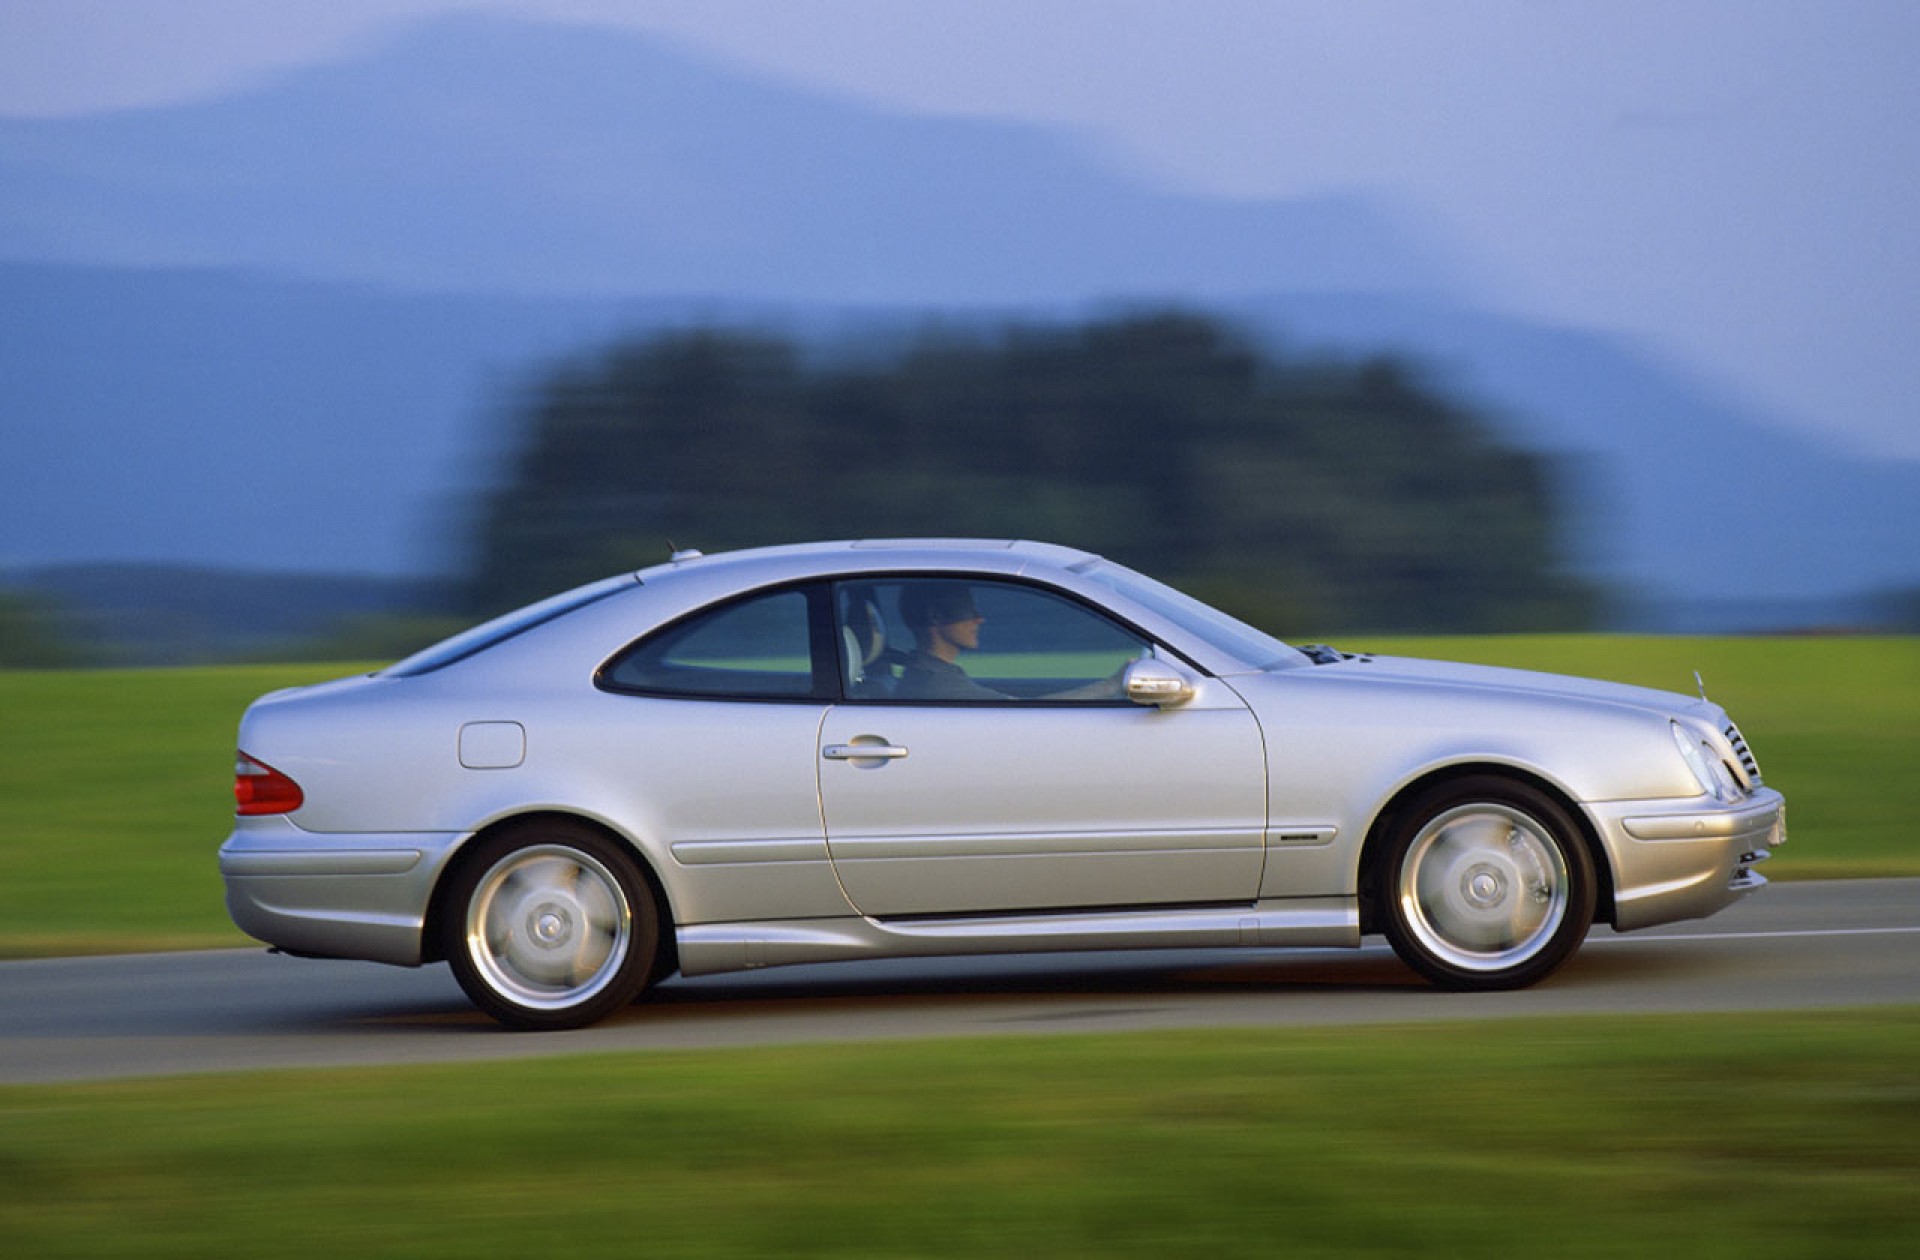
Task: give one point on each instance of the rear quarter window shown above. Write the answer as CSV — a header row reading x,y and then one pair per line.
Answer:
x,y
762,647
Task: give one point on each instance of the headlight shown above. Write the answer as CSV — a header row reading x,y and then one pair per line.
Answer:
x,y
1708,769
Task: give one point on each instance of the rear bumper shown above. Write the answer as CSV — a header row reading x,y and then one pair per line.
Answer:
x,y
1674,860
334,896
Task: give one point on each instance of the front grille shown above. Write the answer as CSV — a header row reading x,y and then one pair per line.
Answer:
x,y
1745,754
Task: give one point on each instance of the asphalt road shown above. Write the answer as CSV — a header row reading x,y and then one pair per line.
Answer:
x,y
1791,947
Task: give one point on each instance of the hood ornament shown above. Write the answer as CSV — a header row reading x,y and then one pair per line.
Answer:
x,y
1700,683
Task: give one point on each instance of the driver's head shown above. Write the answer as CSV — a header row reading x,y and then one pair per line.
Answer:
x,y
927,606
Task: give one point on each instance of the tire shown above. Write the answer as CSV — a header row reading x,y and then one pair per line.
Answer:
x,y
550,925
1485,883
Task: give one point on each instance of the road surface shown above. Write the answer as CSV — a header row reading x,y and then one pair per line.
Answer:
x,y
1791,947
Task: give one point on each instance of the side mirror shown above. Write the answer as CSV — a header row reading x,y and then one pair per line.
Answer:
x,y
1154,682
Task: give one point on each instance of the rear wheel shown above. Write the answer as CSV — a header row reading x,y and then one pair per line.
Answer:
x,y
1485,884
550,925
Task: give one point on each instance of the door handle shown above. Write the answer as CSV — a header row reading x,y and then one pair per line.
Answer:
x,y
863,752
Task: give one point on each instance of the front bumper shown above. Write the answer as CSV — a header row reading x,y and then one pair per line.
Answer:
x,y
1685,860
334,896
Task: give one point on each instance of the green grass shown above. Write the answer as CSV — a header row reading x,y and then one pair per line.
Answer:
x,y
116,789
1725,1136
115,786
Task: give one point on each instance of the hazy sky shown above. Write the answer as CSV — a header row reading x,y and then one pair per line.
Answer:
x,y
1736,184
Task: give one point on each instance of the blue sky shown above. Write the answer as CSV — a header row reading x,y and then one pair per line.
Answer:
x,y
1734,184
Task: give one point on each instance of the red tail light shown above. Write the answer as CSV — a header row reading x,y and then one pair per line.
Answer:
x,y
260,789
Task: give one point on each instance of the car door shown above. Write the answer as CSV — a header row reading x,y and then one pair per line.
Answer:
x,y
708,740
984,761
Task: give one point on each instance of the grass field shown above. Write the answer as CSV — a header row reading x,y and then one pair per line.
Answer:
x,y
115,786
1735,1136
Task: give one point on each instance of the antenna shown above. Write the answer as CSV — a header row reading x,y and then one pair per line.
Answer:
x,y
1700,683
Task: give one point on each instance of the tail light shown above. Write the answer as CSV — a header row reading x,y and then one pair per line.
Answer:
x,y
260,789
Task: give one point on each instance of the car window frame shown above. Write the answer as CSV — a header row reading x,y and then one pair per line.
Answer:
x,y
1098,611
824,662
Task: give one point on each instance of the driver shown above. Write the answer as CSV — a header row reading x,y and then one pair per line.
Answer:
x,y
944,623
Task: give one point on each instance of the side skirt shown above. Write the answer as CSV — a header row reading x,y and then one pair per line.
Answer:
x,y
707,948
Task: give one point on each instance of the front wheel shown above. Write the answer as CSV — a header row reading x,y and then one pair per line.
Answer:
x,y
549,926
1485,884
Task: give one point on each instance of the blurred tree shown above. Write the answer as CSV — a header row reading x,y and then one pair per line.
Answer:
x,y
34,636
1322,495
1896,611
367,637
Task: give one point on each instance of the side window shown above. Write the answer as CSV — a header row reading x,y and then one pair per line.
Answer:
x,y
961,640
757,648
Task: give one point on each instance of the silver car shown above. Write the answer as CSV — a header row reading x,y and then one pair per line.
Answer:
x,y
883,749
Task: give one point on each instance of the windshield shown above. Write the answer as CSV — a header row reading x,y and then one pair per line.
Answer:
x,y
502,628
1256,648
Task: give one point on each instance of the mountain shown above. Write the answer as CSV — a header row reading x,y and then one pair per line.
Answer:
x,y
169,614
218,419
495,155
1674,484
282,329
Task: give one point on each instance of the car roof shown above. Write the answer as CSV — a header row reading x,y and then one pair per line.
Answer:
x,y
691,581
750,565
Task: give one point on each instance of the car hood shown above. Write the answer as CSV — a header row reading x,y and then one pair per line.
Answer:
x,y
1483,679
